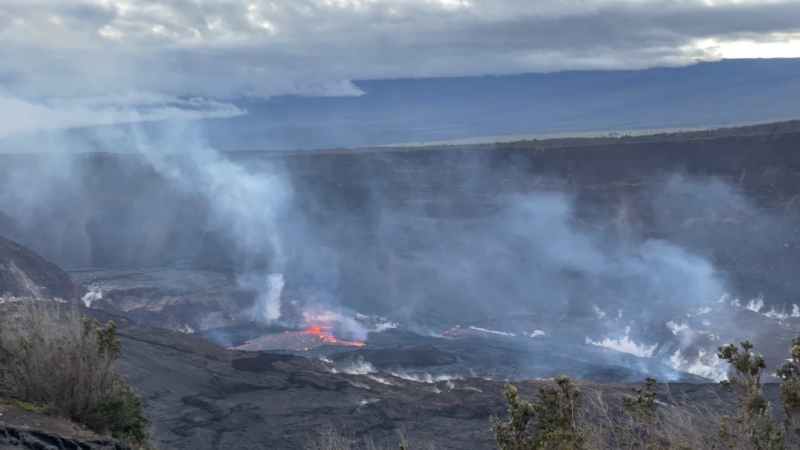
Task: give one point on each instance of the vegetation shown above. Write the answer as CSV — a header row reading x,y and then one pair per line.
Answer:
x,y
565,418
331,438
555,414
789,373
561,419
754,420
22,405
52,357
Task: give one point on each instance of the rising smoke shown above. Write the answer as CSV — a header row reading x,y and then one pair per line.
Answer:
x,y
423,241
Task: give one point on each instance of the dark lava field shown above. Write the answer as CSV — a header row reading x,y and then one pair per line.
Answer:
x,y
262,294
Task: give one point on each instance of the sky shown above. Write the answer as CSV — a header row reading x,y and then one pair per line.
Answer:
x,y
73,63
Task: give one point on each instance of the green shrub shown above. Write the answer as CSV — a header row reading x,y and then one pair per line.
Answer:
x,y
122,415
789,373
555,416
52,356
563,419
755,420
29,407
23,405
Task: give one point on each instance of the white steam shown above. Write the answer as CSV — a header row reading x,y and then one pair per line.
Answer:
x,y
381,327
357,367
380,380
91,297
600,313
676,328
425,377
707,365
775,314
244,206
625,345
486,330
268,302
755,305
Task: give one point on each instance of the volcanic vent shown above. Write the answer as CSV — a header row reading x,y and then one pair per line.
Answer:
x,y
296,340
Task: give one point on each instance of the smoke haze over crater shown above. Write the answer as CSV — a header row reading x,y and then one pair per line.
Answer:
x,y
427,237
501,240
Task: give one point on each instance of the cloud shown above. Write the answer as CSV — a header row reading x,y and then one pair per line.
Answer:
x,y
235,49
22,116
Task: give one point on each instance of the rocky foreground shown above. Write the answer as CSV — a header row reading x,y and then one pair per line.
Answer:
x,y
26,437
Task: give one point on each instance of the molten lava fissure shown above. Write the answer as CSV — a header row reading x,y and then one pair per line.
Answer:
x,y
295,340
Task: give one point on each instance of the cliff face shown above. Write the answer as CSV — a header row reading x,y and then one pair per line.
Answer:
x,y
116,211
23,273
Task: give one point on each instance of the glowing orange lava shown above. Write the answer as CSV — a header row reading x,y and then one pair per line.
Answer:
x,y
295,340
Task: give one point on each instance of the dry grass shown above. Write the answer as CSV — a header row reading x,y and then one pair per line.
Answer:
x,y
678,424
331,438
52,356
48,358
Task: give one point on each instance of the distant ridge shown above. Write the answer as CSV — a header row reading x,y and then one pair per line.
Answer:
x,y
434,110
789,126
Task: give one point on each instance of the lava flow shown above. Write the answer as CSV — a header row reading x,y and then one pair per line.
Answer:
x,y
295,340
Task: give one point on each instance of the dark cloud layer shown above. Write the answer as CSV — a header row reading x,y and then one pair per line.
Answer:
x,y
230,49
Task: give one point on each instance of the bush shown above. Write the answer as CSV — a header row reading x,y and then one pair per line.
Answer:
x,y
789,373
754,421
331,438
564,419
52,356
555,414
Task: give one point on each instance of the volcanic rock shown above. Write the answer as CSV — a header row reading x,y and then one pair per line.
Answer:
x,y
262,362
414,356
23,273
24,429
168,297
18,438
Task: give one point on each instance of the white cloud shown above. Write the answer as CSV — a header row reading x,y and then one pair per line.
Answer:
x,y
222,49
773,45
22,116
